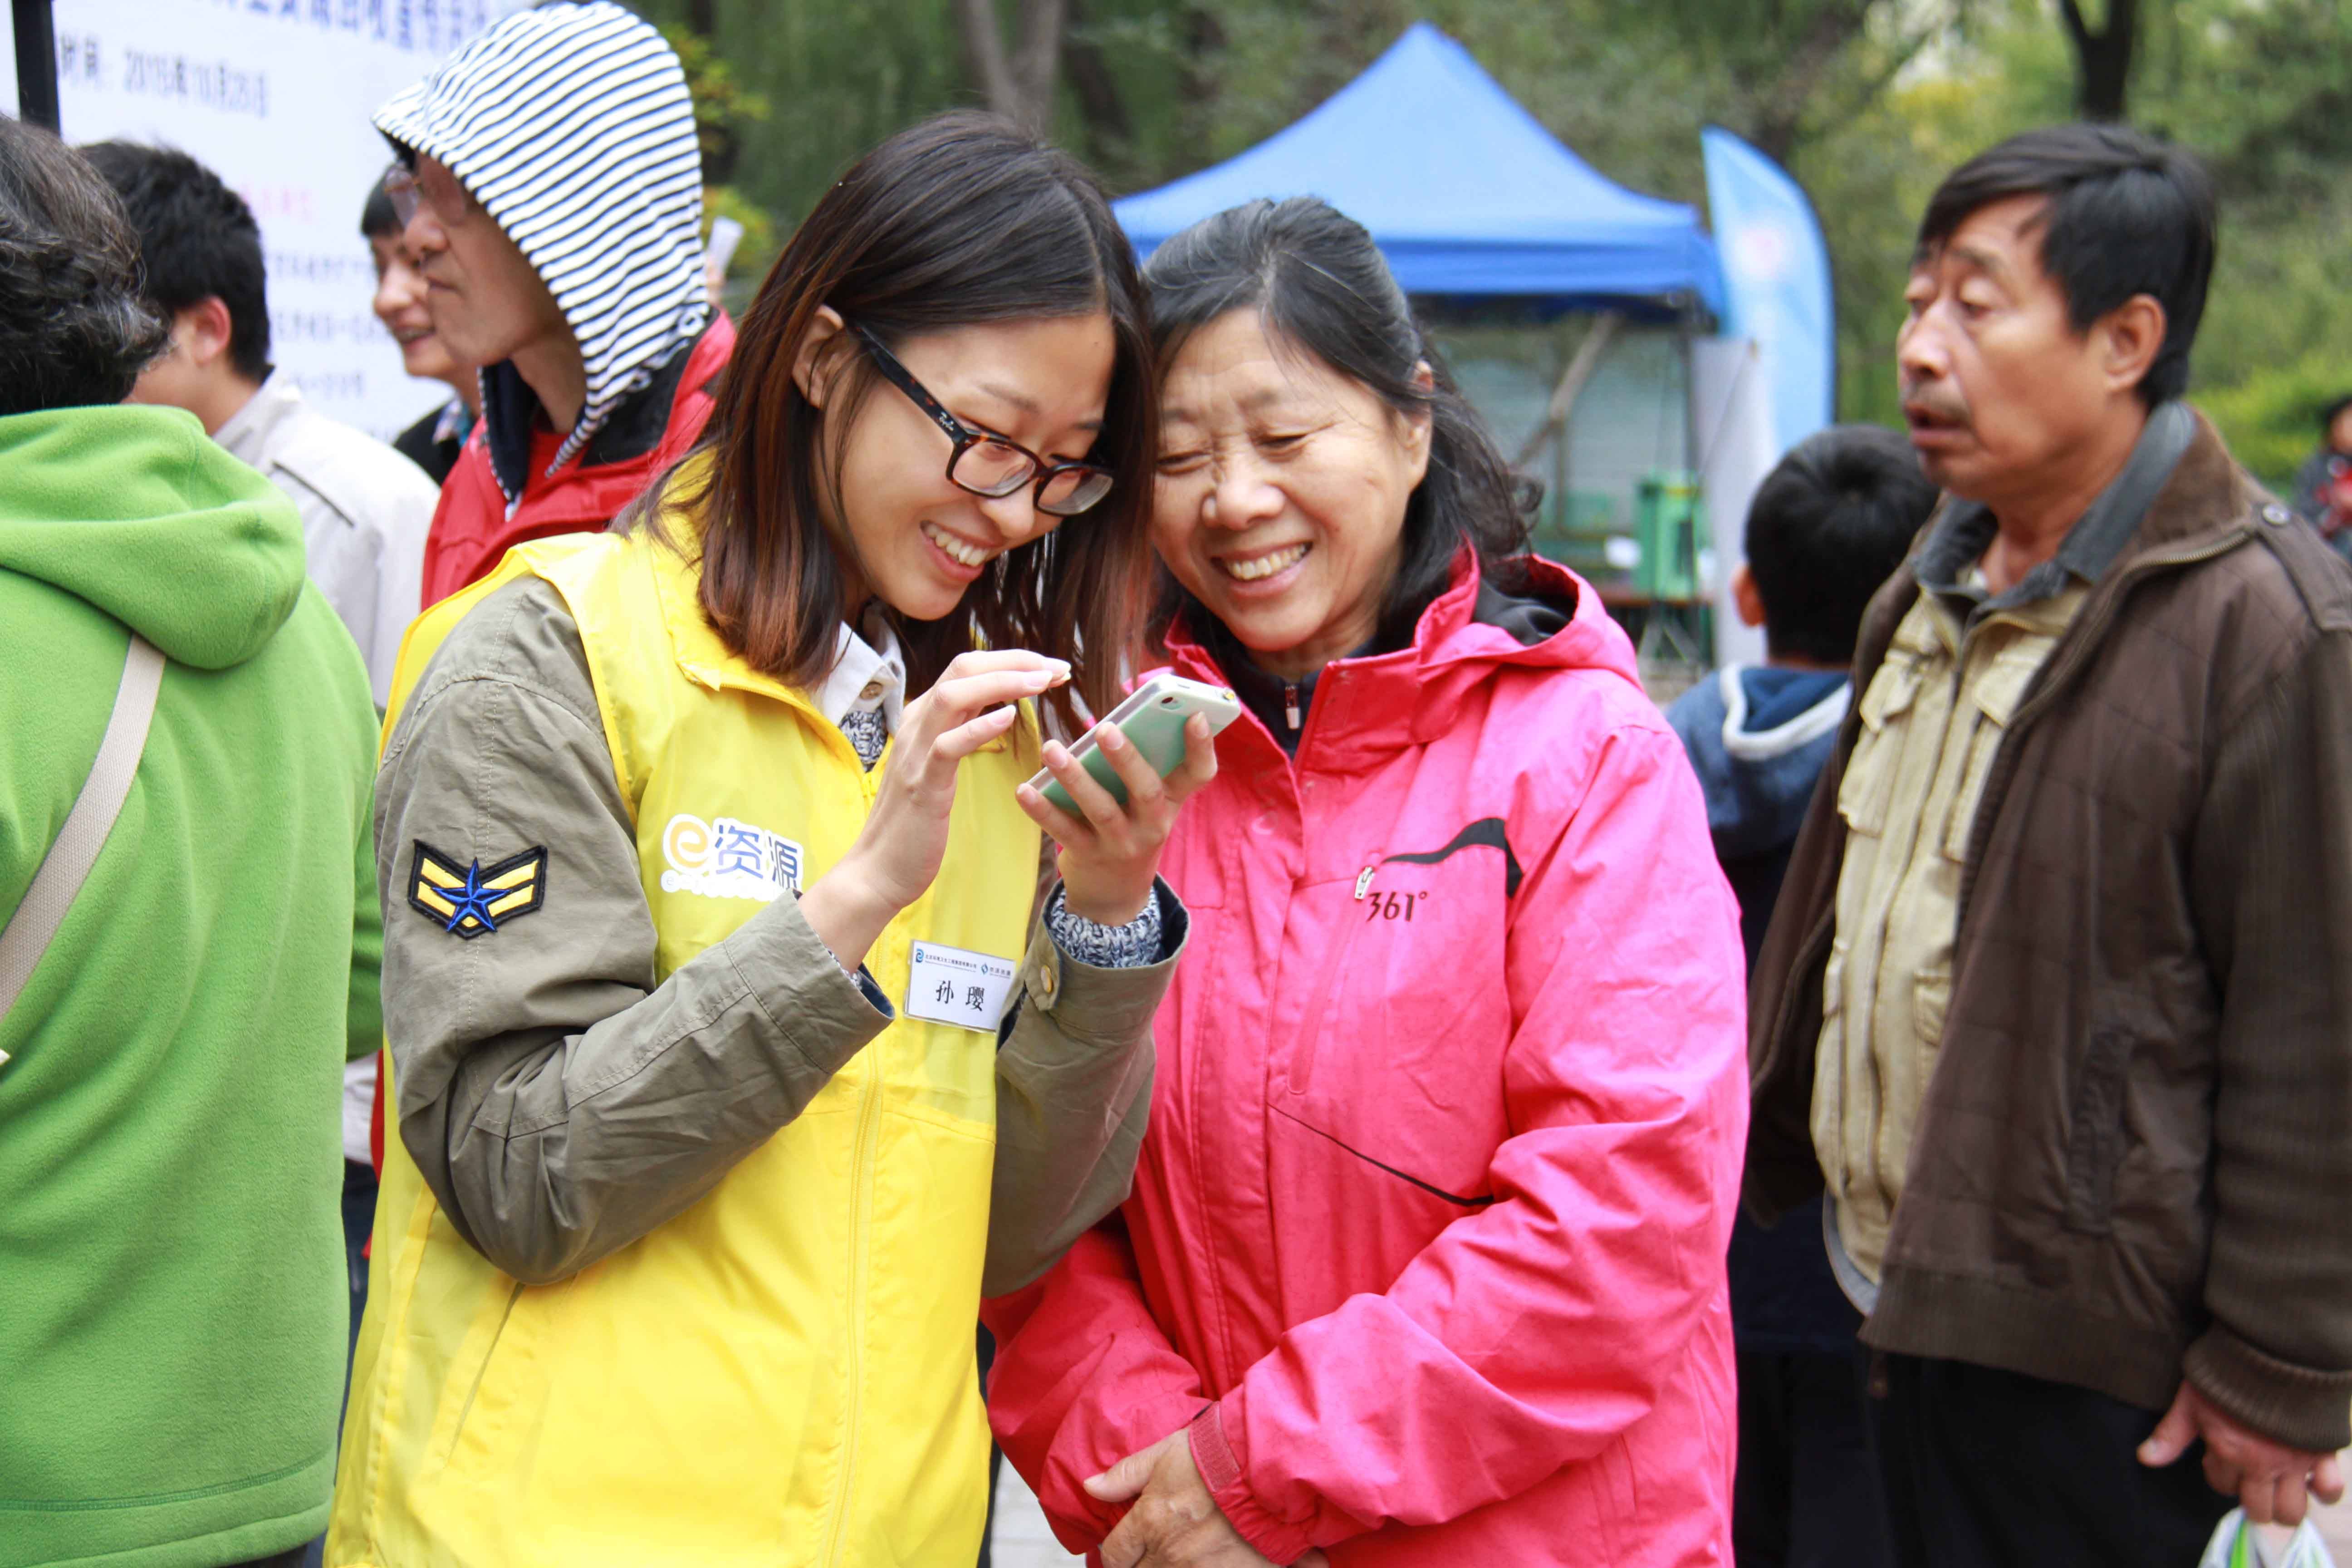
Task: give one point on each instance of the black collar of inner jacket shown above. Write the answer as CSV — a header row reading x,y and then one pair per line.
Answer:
x,y
511,409
1966,530
1262,693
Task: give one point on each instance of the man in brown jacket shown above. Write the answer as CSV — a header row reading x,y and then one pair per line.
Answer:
x,y
2057,1001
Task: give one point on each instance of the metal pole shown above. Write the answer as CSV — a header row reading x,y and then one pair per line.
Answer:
x,y
1581,366
36,64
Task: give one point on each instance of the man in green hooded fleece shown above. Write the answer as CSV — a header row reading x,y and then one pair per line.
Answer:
x,y
172,1292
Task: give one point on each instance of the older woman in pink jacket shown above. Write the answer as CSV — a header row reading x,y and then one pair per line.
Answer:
x,y
1423,1263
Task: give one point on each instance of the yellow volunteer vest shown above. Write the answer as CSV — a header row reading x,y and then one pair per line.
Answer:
x,y
783,1374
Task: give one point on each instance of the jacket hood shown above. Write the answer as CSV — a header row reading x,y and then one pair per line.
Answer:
x,y
134,511
1468,637
572,126
1758,769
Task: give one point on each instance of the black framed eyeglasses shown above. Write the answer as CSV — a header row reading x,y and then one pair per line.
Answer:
x,y
987,464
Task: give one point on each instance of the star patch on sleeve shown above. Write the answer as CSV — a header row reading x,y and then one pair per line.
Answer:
x,y
474,901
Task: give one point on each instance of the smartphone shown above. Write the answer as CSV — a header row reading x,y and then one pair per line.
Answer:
x,y
1152,717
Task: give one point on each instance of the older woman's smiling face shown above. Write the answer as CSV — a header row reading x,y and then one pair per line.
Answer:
x,y
1282,492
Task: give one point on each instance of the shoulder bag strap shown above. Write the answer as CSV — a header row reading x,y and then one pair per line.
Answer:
x,y
67,863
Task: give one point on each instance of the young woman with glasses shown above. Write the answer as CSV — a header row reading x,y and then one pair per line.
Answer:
x,y
735,1054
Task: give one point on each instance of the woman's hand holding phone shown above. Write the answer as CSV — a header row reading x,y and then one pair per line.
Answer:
x,y
906,835
1110,852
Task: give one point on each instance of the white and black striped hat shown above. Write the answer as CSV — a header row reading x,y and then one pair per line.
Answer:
x,y
570,124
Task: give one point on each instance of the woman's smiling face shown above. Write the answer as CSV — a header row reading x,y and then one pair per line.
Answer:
x,y
917,539
399,304
1281,491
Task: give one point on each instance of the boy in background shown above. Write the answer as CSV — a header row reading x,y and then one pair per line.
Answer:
x,y
364,510
1827,527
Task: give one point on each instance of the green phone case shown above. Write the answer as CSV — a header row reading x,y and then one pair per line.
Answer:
x,y
1158,732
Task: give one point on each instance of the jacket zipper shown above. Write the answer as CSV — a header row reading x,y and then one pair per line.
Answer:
x,y
1310,1025
869,1107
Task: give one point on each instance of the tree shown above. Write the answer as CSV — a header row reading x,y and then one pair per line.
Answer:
x,y
723,111
2103,59
1102,107
1019,82
1791,67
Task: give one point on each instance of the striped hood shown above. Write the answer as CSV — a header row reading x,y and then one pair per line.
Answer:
x,y
570,124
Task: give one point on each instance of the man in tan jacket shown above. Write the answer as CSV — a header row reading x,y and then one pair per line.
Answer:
x,y
2053,1002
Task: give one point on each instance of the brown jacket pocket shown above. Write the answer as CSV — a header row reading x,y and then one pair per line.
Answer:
x,y
2095,1141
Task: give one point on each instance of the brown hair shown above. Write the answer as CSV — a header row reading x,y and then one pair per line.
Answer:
x,y
958,221
74,329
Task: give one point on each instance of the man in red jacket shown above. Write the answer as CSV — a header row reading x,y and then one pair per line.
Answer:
x,y
549,183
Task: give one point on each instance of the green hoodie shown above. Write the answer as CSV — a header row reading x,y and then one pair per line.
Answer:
x,y
173,1306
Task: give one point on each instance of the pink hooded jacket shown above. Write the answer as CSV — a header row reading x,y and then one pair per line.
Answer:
x,y
1426,1243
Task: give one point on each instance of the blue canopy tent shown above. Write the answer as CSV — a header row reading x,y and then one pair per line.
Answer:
x,y
1466,193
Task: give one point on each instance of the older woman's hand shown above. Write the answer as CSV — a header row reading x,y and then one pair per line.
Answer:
x,y
1110,852
1175,1523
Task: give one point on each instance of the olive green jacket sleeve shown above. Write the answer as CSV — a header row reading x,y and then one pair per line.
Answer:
x,y
557,1101
1074,1064
364,1008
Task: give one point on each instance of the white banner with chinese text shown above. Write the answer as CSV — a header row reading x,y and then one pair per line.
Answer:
x,y
275,94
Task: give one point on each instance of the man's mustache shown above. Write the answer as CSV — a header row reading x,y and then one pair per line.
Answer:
x,y
1920,402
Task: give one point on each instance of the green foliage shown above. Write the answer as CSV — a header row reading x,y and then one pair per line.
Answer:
x,y
723,109
833,79
1870,177
2271,419
2258,88
722,105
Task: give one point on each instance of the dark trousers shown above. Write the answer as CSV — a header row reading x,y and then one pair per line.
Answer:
x,y
359,1220
1806,1494
1986,1468
987,1357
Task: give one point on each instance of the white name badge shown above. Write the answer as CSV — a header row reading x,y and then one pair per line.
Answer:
x,y
950,985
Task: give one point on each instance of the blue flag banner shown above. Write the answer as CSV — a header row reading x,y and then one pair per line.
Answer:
x,y
1776,275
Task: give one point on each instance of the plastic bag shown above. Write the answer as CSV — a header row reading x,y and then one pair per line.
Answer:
x,y
2237,1544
